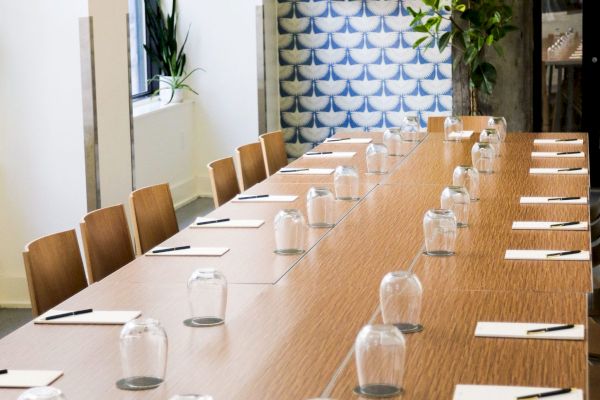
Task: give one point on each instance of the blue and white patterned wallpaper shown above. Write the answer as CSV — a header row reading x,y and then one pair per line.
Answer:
x,y
349,65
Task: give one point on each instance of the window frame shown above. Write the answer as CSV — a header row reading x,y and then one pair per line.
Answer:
x,y
152,69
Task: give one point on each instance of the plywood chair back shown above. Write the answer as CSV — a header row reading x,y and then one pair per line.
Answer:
x,y
153,216
106,241
54,270
223,180
273,150
475,123
252,165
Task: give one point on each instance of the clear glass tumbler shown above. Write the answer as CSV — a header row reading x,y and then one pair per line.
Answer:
x,y
345,182
392,138
499,124
289,232
380,355
207,297
457,199
319,207
453,127
490,135
42,393
439,226
377,158
483,156
144,347
410,129
467,176
400,297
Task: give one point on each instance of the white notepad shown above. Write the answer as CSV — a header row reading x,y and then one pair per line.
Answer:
x,y
17,378
556,141
518,330
334,154
543,225
271,199
234,223
492,392
194,251
556,154
541,255
93,318
557,171
546,200
350,141
460,135
306,171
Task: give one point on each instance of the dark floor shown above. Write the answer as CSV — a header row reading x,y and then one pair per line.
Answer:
x,y
14,318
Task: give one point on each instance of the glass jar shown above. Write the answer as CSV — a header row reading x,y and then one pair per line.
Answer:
x,y
483,156
377,158
468,177
453,128
439,226
457,199
319,207
207,297
490,135
345,182
392,139
410,130
289,232
400,297
499,124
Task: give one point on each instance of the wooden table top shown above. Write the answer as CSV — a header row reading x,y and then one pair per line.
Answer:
x,y
292,320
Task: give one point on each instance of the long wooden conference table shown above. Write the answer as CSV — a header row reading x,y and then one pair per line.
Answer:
x,y
292,320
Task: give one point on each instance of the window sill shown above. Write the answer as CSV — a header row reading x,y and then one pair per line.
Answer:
x,y
151,105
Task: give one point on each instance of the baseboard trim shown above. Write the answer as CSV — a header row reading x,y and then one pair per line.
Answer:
x,y
14,292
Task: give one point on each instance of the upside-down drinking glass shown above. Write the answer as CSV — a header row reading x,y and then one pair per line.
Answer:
x,y
392,139
400,297
377,158
439,226
483,156
499,124
319,207
144,347
453,127
411,128
42,393
490,135
207,296
191,397
345,182
457,199
467,176
289,232
380,354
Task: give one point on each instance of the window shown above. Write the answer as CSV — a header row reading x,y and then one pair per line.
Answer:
x,y
142,68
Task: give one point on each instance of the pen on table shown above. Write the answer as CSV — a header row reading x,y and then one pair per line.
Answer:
x,y
69,314
258,196
283,171
551,329
569,169
564,253
563,198
3,371
317,153
562,153
171,249
567,140
545,394
337,140
216,221
565,224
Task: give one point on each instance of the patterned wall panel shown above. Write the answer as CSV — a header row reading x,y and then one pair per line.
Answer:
x,y
350,65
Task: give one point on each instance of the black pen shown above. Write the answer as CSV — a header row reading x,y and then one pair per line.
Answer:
x,y
551,329
546,394
3,371
564,253
171,249
318,153
216,221
569,169
565,224
69,314
567,140
563,198
562,153
258,196
284,171
337,140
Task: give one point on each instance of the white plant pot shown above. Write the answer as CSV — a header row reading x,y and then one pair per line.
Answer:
x,y
166,94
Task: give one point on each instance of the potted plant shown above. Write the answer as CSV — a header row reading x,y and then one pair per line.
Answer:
x,y
476,25
163,49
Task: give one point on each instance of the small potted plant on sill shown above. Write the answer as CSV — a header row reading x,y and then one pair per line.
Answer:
x,y
163,49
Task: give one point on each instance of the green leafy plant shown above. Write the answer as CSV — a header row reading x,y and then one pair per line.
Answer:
x,y
476,25
163,49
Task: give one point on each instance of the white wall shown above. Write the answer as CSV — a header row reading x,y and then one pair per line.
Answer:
x,y
42,177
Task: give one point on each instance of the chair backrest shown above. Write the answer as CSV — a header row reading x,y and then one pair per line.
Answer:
x,y
54,270
475,123
273,149
252,165
153,216
223,180
106,241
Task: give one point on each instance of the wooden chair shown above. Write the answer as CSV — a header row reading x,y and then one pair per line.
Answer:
x,y
153,215
106,241
223,180
475,123
54,270
273,150
252,165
